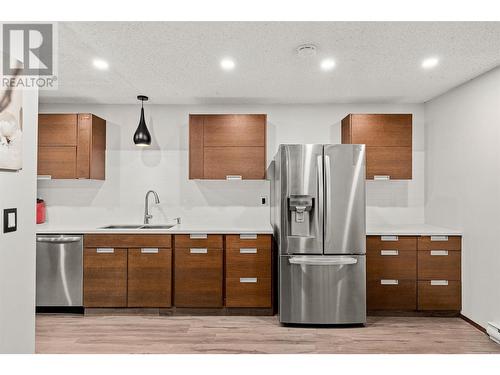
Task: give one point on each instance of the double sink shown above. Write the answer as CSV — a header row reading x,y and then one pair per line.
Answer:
x,y
138,226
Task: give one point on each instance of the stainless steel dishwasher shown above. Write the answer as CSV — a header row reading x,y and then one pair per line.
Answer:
x,y
59,270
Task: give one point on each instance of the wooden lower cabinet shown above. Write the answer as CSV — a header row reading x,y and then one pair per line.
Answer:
x,y
439,265
104,277
149,277
414,273
248,292
198,275
439,295
248,277
388,294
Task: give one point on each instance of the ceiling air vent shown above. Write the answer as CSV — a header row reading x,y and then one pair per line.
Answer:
x,y
306,50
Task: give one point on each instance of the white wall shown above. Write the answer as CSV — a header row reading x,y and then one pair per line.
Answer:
x,y
17,249
164,167
462,131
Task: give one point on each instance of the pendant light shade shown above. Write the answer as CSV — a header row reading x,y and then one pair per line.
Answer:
x,y
141,135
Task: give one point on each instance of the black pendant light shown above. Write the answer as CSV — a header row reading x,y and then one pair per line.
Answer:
x,y
141,135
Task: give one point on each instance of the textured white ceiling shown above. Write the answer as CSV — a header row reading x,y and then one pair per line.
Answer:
x,y
178,62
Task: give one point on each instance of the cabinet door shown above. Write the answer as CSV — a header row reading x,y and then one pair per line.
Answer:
x,y
389,130
57,161
247,162
149,277
248,277
104,277
57,130
391,294
198,277
227,145
393,162
439,295
234,131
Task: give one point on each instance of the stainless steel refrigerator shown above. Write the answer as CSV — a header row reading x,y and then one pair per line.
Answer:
x,y
318,216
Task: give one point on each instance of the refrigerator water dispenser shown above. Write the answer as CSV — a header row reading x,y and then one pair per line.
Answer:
x,y
300,207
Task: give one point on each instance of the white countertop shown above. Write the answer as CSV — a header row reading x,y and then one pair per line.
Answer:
x,y
176,229
410,230
380,230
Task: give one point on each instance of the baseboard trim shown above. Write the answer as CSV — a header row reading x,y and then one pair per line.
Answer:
x,y
413,313
473,323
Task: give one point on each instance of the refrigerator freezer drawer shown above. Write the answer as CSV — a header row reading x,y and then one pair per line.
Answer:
x,y
326,289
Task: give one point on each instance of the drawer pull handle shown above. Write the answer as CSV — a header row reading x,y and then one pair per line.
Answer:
x,y
439,238
248,251
105,250
198,251
233,177
389,282
389,238
439,282
149,250
439,252
248,279
248,236
198,236
389,252
381,178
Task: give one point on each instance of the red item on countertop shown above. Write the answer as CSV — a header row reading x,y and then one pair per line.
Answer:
x,y
40,211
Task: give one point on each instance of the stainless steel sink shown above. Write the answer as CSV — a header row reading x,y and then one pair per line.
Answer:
x,y
121,227
138,226
152,226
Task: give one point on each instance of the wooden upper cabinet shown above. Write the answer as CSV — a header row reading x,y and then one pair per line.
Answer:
x,y
388,140
227,145
71,146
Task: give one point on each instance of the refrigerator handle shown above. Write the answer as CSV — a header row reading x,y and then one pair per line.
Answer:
x,y
328,193
322,260
320,203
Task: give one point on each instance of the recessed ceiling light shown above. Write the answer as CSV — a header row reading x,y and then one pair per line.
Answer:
x,y
430,62
100,64
327,64
227,63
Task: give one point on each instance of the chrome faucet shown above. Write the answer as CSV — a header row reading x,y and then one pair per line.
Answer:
x,y
147,215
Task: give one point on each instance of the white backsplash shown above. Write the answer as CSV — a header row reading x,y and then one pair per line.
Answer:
x,y
163,167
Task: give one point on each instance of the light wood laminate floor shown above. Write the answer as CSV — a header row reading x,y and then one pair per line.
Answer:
x,y
251,334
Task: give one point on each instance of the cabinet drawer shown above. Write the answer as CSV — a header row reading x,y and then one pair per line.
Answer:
x,y
105,277
248,292
378,243
198,277
440,243
247,162
391,264
391,294
259,241
57,161
395,162
198,240
382,129
149,277
57,130
127,240
439,265
439,295
234,130
248,262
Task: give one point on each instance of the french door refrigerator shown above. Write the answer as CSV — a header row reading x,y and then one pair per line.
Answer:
x,y
318,217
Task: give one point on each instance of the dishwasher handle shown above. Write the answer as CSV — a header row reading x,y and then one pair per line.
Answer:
x,y
66,239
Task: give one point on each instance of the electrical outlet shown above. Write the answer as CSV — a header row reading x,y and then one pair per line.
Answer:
x,y
264,200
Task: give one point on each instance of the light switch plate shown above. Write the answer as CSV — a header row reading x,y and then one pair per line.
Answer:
x,y
9,220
